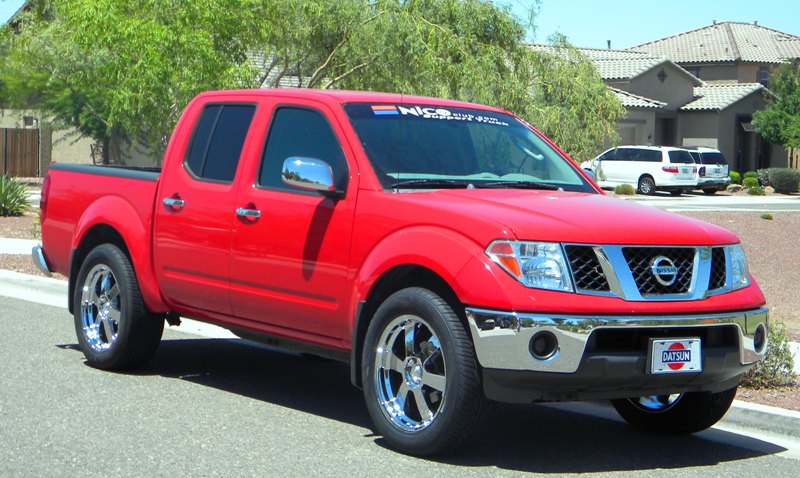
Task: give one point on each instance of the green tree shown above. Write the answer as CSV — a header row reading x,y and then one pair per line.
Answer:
x,y
126,69
779,122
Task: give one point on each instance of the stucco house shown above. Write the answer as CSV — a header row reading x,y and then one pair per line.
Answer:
x,y
669,106
733,60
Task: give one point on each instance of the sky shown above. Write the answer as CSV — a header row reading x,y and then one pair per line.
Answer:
x,y
627,23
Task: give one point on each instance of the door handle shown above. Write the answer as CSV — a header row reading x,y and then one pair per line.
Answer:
x,y
174,203
248,213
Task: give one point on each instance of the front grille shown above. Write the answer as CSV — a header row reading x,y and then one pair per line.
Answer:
x,y
718,269
641,259
586,270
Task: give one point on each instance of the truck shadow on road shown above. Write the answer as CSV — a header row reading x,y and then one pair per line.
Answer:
x,y
531,438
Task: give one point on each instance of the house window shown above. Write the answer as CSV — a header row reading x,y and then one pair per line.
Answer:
x,y
763,76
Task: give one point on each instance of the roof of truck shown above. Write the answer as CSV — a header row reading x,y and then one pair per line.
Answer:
x,y
345,96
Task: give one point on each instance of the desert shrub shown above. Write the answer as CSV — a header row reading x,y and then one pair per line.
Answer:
x,y
13,197
736,178
750,182
763,177
624,190
750,174
756,191
776,369
784,180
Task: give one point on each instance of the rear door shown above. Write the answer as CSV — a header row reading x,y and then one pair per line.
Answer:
x,y
290,256
195,213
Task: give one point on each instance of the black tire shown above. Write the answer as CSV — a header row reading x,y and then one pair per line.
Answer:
x,y
114,328
441,356
646,186
688,413
676,192
709,192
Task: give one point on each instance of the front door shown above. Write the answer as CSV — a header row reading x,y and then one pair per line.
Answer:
x,y
290,252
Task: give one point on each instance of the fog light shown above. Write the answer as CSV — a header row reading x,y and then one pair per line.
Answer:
x,y
543,345
760,338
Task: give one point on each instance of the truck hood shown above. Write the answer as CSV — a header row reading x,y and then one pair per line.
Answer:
x,y
572,217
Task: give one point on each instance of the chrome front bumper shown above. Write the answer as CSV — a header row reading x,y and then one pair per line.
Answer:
x,y
37,255
502,338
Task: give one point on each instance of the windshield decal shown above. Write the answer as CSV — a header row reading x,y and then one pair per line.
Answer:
x,y
384,110
434,113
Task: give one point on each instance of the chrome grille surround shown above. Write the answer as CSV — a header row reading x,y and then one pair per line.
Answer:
x,y
629,271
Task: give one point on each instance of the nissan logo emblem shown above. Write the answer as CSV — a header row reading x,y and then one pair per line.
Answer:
x,y
664,270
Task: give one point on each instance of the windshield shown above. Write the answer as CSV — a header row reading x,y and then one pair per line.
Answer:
x,y
416,146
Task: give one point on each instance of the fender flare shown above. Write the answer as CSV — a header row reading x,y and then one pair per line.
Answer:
x,y
455,258
120,215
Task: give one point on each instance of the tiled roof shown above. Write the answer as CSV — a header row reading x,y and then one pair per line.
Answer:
x,y
629,100
625,69
716,97
726,42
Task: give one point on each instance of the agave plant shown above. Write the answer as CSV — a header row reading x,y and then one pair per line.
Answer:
x,y
13,197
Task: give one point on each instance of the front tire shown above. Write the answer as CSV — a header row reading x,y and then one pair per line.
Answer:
x,y
709,192
421,379
114,328
677,414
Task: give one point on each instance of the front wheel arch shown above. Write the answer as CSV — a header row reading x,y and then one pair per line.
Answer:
x,y
391,281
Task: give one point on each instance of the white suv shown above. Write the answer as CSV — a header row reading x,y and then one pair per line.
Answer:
x,y
712,174
648,168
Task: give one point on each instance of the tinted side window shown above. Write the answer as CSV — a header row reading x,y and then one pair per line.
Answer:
x,y
624,155
680,157
651,155
218,140
608,155
305,133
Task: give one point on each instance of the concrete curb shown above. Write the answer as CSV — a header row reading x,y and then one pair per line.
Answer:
x,y
768,420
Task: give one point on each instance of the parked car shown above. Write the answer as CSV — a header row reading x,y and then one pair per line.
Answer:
x,y
447,251
648,168
712,172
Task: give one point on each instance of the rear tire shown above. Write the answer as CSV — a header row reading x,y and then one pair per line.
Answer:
x,y
709,192
422,384
647,186
114,328
675,414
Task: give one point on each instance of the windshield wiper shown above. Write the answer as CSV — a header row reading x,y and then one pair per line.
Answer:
x,y
429,183
518,185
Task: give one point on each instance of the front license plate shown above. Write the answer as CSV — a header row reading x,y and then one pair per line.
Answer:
x,y
675,356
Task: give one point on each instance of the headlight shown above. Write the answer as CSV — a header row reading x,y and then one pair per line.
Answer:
x,y
739,274
535,264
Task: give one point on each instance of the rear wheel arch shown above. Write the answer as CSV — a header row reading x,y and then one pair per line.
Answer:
x,y
95,236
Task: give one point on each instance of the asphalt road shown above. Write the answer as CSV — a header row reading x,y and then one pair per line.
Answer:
x,y
220,407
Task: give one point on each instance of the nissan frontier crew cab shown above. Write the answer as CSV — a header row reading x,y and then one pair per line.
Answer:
x,y
448,252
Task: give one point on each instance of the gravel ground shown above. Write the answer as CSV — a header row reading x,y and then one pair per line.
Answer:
x,y
770,245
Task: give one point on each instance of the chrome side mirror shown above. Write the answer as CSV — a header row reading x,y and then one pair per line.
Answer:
x,y
310,174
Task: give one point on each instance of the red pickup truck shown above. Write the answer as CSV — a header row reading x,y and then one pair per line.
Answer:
x,y
447,251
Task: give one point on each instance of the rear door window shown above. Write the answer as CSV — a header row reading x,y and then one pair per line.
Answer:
x,y
217,142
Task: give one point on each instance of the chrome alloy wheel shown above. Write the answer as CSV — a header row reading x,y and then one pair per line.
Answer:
x,y
656,403
410,375
100,308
